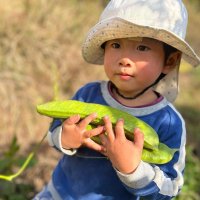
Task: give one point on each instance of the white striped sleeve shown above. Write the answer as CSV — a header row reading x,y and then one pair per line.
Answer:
x,y
54,139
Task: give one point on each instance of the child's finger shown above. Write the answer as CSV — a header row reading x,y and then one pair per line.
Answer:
x,y
93,145
108,128
138,138
103,139
119,129
93,132
83,124
72,120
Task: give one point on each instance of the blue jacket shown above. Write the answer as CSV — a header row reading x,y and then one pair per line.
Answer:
x,y
88,175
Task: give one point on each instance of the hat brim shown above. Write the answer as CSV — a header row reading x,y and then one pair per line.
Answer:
x,y
119,28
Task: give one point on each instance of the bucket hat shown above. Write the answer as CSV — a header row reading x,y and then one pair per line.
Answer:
x,y
164,20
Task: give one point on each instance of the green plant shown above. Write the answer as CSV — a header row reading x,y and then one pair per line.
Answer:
x,y
15,191
10,160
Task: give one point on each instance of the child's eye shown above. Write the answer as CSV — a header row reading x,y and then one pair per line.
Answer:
x,y
115,45
143,48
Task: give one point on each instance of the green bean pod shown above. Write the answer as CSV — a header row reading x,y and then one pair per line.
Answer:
x,y
153,151
65,109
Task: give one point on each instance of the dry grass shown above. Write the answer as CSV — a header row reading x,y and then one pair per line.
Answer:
x,y
38,40
193,25
40,46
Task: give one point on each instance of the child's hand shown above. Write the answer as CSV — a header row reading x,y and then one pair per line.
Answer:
x,y
124,154
74,133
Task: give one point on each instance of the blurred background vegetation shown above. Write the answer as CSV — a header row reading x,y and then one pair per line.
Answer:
x,y
40,59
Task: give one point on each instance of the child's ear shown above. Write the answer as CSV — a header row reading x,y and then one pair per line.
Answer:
x,y
172,61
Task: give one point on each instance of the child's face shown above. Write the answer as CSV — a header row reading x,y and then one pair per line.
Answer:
x,y
132,65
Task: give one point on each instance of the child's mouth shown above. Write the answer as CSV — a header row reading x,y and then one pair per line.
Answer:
x,y
125,76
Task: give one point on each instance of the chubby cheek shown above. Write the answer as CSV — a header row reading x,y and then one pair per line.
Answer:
x,y
108,68
108,71
149,73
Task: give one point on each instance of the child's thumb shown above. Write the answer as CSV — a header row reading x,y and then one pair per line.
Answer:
x,y
138,138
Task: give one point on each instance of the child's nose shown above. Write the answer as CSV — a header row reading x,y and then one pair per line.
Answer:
x,y
125,62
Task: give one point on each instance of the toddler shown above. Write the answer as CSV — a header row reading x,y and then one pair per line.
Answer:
x,y
140,43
